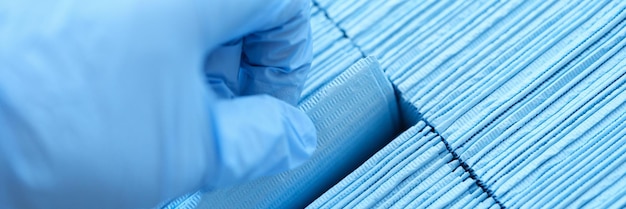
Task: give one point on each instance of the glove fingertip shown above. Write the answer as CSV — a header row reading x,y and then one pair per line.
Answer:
x,y
303,138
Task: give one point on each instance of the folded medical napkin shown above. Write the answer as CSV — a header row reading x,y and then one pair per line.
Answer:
x,y
343,110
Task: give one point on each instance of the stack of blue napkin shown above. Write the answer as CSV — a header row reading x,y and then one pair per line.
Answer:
x,y
529,94
415,170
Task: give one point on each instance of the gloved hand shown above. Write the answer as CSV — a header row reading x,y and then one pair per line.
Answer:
x,y
262,55
106,104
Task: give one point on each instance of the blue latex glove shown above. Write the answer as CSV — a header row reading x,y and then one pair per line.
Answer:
x,y
106,104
